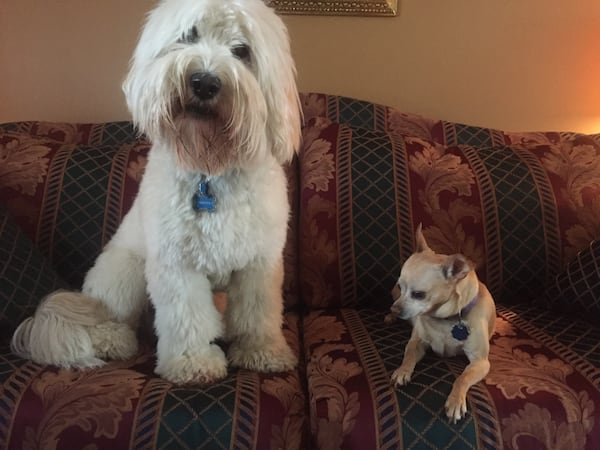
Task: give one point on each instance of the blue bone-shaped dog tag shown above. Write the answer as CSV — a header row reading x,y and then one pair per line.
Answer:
x,y
202,201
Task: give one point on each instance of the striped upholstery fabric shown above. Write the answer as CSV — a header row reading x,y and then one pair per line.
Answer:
x,y
542,392
70,197
513,210
522,205
68,187
73,183
369,174
576,289
124,405
25,275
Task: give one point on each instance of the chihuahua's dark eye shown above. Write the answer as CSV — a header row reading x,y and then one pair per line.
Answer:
x,y
241,51
418,295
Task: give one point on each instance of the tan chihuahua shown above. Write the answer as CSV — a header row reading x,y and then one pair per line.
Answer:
x,y
451,311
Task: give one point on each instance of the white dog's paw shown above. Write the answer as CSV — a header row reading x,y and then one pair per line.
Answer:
x,y
401,376
199,367
112,340
456,405
271,358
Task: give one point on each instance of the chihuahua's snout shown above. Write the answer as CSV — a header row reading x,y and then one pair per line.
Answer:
x,y
396,309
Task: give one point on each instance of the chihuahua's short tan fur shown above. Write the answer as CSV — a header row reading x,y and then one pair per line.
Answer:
x,y
443,298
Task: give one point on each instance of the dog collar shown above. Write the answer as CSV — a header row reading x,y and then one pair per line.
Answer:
x,y
468,308
461,331
202,200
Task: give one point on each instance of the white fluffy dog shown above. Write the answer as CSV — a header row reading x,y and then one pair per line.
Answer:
x,y
212,84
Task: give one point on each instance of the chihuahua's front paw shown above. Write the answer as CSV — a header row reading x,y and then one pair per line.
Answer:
x,y
389,319
456,405
401,376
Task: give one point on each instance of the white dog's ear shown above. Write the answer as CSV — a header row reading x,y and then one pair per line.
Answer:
x,y
420,242
284,128
457,267
152,77
277,76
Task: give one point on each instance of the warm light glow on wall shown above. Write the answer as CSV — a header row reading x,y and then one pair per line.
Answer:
x,y
517,66
595,127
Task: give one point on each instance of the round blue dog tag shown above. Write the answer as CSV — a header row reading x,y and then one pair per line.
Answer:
x,y
460,331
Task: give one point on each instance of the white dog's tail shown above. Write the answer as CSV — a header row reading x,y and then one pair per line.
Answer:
x,y
70,329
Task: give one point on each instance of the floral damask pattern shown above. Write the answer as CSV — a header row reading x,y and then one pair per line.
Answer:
x,y
61,131
136,168
538,394
313,105
288,391
577,165
317,167
93,400
440,170
410,125
525,139
318,164
23,164
533,422
320,251
334,408
443,172
520,369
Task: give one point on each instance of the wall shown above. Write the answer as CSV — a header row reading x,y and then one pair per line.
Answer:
x,y
506,63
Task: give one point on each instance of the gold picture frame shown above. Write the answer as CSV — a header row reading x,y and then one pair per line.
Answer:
x,y
336,7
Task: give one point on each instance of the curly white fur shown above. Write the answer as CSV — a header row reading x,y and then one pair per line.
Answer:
x,y
235,133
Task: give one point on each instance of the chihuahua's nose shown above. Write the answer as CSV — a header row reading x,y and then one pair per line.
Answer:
x,y
395,309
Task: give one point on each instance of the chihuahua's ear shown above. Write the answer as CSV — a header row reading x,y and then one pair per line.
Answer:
x,y
420,242
457,267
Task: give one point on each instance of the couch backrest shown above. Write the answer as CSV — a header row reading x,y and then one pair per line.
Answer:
x,y
518,204
68,187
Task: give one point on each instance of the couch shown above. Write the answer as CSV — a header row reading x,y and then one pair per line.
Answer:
x,y
524,206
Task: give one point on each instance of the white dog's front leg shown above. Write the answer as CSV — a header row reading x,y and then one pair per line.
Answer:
x,y
254,320
187,323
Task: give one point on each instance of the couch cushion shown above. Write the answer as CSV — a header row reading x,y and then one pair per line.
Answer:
x,y
69,186
577,288
69,198
25,275
520,212
542,391
124,405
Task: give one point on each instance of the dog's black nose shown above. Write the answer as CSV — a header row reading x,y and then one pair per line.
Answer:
x,y
205,85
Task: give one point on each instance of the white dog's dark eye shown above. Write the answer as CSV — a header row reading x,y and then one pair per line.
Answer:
x,y
190,36
241,51
417,295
